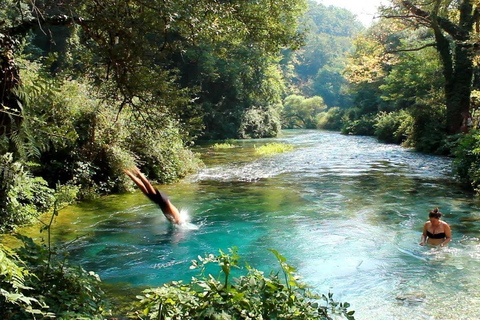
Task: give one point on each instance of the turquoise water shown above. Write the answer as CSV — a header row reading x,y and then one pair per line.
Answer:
x,y
346,211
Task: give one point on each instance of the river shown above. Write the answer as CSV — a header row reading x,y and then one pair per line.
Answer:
x,y
346,211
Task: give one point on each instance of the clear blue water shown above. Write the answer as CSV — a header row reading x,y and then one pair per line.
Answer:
x,y
346,211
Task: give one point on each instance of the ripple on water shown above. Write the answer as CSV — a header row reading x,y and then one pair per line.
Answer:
x,y
346,211
333,154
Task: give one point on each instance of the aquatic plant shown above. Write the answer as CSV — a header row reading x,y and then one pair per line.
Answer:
x,y
224,145
273,148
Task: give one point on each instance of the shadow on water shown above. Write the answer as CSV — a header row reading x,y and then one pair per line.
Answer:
x,y
346,211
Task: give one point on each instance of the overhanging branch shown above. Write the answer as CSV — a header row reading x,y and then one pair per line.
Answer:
x,y
407,17
448,26
413,49
27,25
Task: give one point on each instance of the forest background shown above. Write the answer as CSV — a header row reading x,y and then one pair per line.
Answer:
x,y
91,87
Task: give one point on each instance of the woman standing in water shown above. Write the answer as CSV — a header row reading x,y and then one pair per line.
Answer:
x,y
435,231
169,210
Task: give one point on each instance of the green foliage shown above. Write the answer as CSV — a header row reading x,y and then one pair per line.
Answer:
x,y
330,84
86,143
260,123
392,127
37,281
331,20
273,148
249,296
424,24
22,196
400,92
364,126
466,166
13,291
206,72
241,90
427,131
191,63
53,289
330,120
366,70
319,64
136,84
161,154
224,145
415,78
300,112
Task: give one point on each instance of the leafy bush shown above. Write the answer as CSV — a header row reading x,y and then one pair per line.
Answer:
x,y
364,126
330,120
22,196
81,140
391,127
13,291
301,112
161,154
35,281
427,131
260,122
250,296
466,165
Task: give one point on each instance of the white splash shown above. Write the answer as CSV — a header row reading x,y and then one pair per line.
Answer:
x,y
185,219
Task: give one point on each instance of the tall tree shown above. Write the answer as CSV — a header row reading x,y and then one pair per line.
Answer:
x,y
452,30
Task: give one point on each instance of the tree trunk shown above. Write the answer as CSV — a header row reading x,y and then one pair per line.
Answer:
x,y
456,52
458,103
9,79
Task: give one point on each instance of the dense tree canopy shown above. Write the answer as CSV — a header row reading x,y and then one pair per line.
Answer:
x,y
89,87
300,112
450,31
414,76
134,51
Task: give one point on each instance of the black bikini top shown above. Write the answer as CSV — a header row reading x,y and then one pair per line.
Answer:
x,y
441,235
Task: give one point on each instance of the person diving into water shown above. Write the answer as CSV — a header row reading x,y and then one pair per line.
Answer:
x,y
169,210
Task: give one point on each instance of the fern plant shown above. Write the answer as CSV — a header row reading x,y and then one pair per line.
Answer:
x,y
22,196
13,289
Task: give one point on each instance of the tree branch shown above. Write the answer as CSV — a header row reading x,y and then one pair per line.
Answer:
x,y
61,20
446,25
406,17
413,49
476,18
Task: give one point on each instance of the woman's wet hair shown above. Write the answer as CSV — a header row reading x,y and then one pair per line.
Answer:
x,y
435,213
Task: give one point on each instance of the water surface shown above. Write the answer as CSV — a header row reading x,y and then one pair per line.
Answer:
x,y
346,211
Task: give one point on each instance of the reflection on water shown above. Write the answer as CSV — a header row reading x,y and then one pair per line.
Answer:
x,y
346,211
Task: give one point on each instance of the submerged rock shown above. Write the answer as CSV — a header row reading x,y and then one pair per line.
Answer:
x,y
412,297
